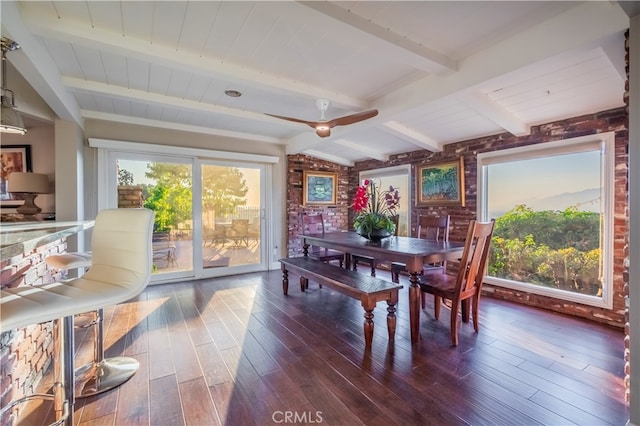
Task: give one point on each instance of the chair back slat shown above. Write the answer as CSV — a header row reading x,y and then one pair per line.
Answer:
x,y
312,224
434,228
474,258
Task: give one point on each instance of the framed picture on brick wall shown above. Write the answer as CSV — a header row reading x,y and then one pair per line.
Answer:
x,y
318,187
440,184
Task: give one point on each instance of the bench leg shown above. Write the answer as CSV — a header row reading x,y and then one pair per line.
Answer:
x,y
285,280
368,305
304,283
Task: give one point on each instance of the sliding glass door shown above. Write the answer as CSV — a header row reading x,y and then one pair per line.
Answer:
x,y
164,185
232,216
210,216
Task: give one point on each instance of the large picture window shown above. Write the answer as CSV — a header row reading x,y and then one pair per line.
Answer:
x,y
553,212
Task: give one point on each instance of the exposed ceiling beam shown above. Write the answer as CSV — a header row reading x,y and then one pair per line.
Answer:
x,y
615,53
490,109
577,27
410,135
369,152
192,63
162,100
37,67
95,115
328,157
405,50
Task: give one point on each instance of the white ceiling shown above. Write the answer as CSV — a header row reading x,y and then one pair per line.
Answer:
x,y
438,72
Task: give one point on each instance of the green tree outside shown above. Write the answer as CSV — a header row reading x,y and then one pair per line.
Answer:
x,y
224,188
558,249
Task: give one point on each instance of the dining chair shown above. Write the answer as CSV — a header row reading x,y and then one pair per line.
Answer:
x,y
467,283
313,224
356,258
431,228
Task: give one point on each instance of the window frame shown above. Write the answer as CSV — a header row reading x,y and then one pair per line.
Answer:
x,y
401,170
605,143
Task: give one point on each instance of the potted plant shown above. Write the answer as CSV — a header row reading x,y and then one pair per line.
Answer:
x,y
375,209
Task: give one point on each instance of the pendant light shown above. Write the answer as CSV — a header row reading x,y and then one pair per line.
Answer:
x,y
10,120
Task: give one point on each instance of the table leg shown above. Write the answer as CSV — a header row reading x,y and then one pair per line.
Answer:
x,y
347,260
414,307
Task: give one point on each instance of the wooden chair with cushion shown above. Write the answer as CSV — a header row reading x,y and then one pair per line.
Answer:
x,y
431,228
355,259
468,281
314,225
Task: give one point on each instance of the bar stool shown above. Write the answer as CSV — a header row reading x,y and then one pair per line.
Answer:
x,y
101,374
120,269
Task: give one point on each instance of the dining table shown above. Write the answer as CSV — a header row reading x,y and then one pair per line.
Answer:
x,y
413,252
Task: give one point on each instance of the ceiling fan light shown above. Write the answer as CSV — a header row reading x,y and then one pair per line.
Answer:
x,y
322,127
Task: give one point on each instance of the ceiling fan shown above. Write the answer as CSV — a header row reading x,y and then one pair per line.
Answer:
x,y
323,126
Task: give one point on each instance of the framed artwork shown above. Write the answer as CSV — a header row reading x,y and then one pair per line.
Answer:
x,y
318,187
13,158
440,184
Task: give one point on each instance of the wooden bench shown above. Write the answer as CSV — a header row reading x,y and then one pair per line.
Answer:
x,y
370,290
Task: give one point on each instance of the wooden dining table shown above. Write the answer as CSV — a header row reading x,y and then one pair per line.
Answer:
x,y
413,252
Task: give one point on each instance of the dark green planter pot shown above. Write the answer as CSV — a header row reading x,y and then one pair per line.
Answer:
x,y
375,235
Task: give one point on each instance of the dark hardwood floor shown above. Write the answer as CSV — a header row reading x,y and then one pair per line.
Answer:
x,y
235,351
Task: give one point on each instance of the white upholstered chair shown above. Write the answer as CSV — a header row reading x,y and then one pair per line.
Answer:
x,y
120,269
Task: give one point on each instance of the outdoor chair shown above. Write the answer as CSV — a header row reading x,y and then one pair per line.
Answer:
x,y
238,232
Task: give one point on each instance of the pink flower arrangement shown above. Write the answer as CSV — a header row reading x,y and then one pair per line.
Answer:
x,y
374,208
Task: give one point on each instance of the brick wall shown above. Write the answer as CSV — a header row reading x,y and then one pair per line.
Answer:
x,y
612,120
606,121
335,216
627,260
25,354
129,196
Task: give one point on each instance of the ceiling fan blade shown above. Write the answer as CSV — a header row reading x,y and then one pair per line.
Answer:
x,y
323,127
295,120
353,118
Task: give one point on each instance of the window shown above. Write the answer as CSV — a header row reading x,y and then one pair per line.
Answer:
x,y
398,177
554,218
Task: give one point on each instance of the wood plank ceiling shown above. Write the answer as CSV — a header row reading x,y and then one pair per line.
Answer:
x,y
438,72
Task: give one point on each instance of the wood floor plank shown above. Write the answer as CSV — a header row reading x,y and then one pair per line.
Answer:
x,y
160,357
214,370
133,396
197,403
164,402
195,325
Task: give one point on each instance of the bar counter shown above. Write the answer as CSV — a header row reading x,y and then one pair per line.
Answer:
x,y
24,353
18,238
